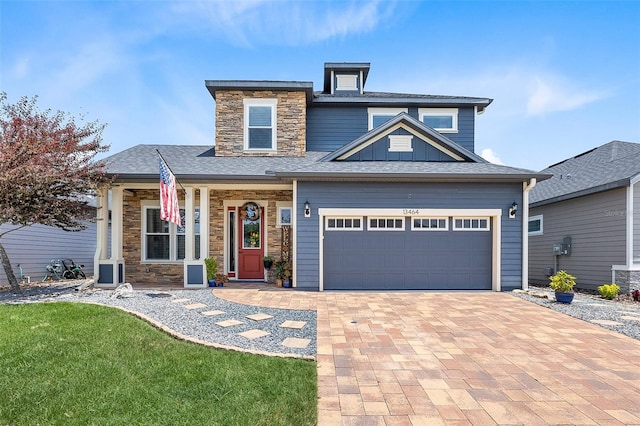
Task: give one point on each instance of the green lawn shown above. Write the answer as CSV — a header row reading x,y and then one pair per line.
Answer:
x,y
65,363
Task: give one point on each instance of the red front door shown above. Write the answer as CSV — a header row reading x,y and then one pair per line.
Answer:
x,y
250,247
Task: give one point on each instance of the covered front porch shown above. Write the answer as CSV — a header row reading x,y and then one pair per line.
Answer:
x,y
236,224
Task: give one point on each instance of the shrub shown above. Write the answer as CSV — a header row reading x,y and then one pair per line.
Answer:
x,y
636,295
609,291
562,282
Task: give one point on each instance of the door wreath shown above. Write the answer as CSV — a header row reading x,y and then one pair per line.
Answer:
x,y
250,211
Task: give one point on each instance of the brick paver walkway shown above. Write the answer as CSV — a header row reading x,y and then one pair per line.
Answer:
x,y
414,358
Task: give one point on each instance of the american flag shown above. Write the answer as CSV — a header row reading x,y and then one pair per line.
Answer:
x,y
169,206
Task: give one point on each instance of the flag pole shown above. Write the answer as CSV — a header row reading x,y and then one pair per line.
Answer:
x,y
169,167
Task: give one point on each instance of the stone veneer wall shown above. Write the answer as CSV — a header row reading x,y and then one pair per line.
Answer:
x,y
291,126
172,273
628,281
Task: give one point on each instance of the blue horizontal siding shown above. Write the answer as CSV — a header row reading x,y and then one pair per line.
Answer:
x,y
406,195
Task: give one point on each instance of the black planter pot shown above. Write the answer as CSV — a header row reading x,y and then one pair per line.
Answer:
x,y
268,264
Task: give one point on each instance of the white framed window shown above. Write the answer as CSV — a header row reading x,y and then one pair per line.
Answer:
x,y
536,225
378,116
444,120
284,215
165,241
347,82
386,224
343,223
400,143
260,124
430,224
471,223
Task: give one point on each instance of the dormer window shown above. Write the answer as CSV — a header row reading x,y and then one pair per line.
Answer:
x,y
444,120
347,82
378,116
260,124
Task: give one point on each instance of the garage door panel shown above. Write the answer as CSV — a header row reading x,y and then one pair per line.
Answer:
x,y
409,259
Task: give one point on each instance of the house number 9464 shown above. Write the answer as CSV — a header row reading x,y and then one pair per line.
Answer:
x,y
410,211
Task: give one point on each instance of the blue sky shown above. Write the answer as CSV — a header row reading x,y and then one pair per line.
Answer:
x,y
564,76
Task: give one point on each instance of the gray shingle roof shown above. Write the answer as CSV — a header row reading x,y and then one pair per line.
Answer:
x,y
198,163
609,166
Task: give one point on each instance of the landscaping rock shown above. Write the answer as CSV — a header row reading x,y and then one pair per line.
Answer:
x,y
123,291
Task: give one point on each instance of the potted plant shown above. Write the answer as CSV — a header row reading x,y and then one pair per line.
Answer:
x,y
212,269
268,262
280,271
286,274
562,283
221,280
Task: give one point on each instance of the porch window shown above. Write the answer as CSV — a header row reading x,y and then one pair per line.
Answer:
x,y
166,241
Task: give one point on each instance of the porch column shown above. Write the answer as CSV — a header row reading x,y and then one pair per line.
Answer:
x,y
111,271
194,273
102,231
204,222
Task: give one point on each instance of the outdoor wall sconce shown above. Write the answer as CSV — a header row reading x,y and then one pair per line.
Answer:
x,y
307,209
512,210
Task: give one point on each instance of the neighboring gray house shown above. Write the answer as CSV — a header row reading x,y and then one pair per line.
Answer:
x,y
586,218
360,190
33,247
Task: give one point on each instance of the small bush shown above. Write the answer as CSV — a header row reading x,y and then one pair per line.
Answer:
x,y
609,291
636,295
562,282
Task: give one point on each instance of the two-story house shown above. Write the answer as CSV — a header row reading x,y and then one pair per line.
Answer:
x,y
359,189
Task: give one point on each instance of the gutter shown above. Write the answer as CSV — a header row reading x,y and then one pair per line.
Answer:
x,y
525,231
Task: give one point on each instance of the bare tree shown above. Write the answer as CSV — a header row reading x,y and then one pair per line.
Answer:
x,y
47,169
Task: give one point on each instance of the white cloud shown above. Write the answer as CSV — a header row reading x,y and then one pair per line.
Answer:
x,y
490,156
294,23
552,93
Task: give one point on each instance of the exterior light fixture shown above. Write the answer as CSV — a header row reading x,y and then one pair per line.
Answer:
x,y
307,209
512,210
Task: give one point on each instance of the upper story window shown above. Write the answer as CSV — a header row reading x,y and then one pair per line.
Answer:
x,y
535,225
260,124
378,116
444,120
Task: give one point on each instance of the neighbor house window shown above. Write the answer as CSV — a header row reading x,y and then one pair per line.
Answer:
x,y
444,120
470,224
378,116
386,224
429,224
260,124
165,240
343,223
535,225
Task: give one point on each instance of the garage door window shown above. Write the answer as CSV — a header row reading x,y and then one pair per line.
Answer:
x,y
471,224
386,224
343,224
430,224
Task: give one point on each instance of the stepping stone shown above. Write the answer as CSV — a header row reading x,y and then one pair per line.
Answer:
x,y
295,342
629,313
293,324
606,322
180,300
212,313
259,317
195,306
595,304
229,323
626,317
254,334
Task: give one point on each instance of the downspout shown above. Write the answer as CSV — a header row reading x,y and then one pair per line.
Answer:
x,y
525,231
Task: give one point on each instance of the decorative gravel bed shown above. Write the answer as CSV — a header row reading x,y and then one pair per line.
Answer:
x,y
159,306
623,314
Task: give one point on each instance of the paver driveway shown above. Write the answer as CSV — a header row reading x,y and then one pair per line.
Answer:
x,y
419,358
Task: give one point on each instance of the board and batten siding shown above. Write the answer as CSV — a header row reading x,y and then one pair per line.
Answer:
x,y
410,196
596,224
331,127
33,247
